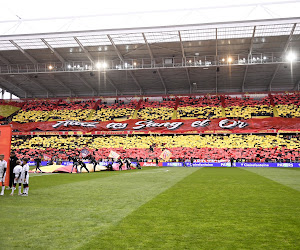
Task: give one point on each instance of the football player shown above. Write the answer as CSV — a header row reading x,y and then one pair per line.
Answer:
x,y
17,180
25,177
3,167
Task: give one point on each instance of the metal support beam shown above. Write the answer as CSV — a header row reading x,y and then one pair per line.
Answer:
x,y
54,51
62,84
251,42
189,79
184,59
216,82
116,48
148,47
122,59
249,55
31,59
3,59
112,84
6,89
217,61
136,81
282,55
244,79
17,86
88,54
296,86
162,81
181,45
85,83
40,85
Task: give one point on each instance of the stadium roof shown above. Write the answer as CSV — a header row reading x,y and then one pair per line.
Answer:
x,y
215,57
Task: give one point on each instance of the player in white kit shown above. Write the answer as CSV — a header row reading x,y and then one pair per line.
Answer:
x,y
25,177
17,180
3,167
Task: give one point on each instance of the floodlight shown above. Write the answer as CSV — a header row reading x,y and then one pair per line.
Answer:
x,y
104,65
229,59
98,65
50,67
291,56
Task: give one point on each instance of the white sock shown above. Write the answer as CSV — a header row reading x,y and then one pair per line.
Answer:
x,y
20,188
2,189
26,191
12,190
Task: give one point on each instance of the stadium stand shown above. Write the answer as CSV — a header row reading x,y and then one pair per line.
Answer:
x,y
257,147
35,110
118,110
77,110
208,107
7,108
246,107
156,110
205,147
287,105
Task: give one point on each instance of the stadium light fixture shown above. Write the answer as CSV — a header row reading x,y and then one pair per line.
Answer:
x,y
229,59
101,65
291,56
223,59
104,65
98,65
50,67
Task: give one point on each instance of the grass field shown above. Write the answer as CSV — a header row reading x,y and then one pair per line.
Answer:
x,y
156,208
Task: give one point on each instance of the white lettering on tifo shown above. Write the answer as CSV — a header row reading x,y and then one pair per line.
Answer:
x,y
197,124
229,124
115,125
74,123
149,124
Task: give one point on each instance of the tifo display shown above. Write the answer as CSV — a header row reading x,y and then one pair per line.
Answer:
x,y
246,127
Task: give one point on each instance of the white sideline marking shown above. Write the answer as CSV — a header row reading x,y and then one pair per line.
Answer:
x,y
39,174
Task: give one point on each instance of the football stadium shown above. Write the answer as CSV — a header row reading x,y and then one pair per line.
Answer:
x,y
129,125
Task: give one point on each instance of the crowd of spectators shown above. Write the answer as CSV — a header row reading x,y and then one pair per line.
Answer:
x,y
207,107
7,108
42,110
76,110
204,147
287,105
35,110
202,107
156,110
118,110
39,105
11,103
247,107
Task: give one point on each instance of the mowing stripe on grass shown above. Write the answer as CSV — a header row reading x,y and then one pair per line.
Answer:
x,y
215,208
68,215
284,176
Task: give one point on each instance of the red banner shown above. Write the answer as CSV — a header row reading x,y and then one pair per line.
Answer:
x,y
192,126
5,142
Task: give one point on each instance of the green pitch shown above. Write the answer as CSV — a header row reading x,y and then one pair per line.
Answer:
x,y
156,208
